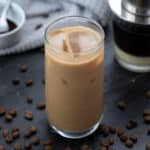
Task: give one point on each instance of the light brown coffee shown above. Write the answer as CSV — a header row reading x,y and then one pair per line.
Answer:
x,y
74,78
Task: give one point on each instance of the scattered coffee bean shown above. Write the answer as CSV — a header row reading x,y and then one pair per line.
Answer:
x,y
147,146
146,112
48,142
28,133
33,129
84,147
129,143
27,145
9,139
23,68
120,131
5,133
2,147
103,148
15,129
131,124
36,140
147,94
38,26
29,82
16,81
48,147
17,146
121,105
8,117
147,119
68,148
2,111
40,106
104,130
112,130
12,112
105,142
111,140
28,115
16,134
29,99
134,137
124,137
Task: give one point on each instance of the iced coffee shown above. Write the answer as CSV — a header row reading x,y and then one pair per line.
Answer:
x,y
74,57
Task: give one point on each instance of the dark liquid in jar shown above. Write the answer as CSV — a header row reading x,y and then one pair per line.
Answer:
x,y
11,25
132,39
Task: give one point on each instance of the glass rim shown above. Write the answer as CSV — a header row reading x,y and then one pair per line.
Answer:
x,y
96,46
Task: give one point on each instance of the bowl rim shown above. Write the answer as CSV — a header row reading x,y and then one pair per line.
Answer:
x,y
20,9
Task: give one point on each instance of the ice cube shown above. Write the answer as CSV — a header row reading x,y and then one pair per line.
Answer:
x,y
82,40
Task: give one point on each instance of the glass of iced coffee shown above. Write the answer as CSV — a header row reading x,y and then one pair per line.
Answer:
x,y
74,75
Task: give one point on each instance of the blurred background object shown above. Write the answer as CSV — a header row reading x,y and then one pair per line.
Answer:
x,y
40,13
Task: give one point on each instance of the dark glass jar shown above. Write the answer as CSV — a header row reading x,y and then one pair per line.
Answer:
x,y
131,38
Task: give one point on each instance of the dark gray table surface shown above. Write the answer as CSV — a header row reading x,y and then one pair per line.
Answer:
x,y
118,86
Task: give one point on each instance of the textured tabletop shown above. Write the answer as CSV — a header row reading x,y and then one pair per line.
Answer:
x,y
119,85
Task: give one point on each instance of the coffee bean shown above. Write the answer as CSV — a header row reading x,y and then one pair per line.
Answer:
x,y
48,147
28,133
33,129
121,105
36,140
28,115
103,148
12,112
5,132
105,142
40,106
68,148
29,99
16,134
16,81
2,111
131,124
48,142
9,139
17,146
129,143
2,147
8,117
84,147
147,119
146,112
124,137
120,131
23,68
15,129
111,140
27,145
147,146
134,137
104,130
112,130
29,82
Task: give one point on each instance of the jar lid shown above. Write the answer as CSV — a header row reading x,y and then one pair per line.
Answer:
x,y
134,11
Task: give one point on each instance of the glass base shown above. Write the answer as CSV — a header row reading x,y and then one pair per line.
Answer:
x,y
133,68
70,135
132,63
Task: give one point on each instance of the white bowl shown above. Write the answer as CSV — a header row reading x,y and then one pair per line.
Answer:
x,y
17,15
